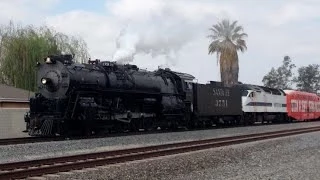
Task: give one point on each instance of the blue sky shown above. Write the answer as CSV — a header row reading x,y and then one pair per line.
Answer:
x,y
97,6
175,30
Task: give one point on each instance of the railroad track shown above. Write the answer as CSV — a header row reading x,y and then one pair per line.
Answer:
x,y
24,169
26,140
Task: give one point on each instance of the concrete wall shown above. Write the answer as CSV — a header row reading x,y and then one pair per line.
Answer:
x,y
12,122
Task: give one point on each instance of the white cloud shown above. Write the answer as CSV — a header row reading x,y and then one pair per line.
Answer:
x,y
25,11
138,10
275,28
98,31
294,11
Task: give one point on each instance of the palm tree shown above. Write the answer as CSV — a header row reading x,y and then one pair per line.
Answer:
x,y
227,39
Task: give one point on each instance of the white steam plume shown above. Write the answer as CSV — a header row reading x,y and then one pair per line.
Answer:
x,y
126,47
159,36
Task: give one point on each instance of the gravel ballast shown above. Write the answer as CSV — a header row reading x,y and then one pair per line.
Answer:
x,y
61,148
294,157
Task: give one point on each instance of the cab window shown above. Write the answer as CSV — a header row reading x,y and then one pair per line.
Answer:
x,y
251,94
188,85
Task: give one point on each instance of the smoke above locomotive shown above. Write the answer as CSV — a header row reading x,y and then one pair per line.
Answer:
x,y
158,39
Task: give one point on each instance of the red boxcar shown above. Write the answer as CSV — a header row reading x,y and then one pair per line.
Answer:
x,y
302,106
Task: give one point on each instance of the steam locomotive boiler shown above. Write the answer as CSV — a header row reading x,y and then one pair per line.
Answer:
x,y
95,97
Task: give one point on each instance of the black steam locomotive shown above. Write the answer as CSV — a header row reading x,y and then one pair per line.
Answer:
x,y
99,97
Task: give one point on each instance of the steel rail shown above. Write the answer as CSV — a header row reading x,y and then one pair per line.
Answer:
x,y
27,140
59,164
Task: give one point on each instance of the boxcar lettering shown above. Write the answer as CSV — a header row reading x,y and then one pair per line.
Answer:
x,y
221,92
222,103
227,92
218,92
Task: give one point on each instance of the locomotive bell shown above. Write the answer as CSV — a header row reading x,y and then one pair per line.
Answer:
x,y
48,60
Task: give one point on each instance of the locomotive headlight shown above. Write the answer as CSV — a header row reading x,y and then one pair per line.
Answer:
x,y
44,81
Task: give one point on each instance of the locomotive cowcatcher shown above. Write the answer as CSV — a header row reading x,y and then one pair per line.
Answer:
x,y
98,97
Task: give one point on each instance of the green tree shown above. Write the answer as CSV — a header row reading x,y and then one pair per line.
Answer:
x,y
281,77
308,78
21,47
227,38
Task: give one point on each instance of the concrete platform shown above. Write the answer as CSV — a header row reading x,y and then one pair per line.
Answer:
x,y
12,122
